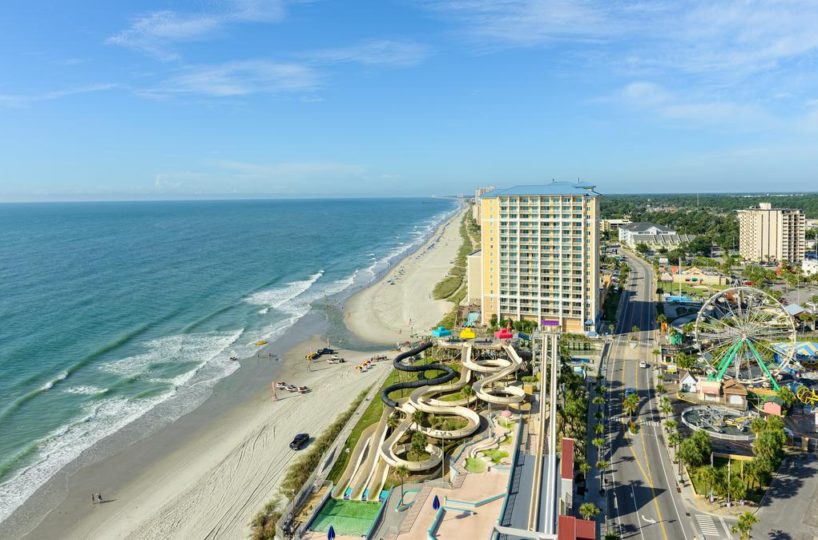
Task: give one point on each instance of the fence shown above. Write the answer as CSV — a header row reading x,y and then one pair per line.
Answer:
x,y
495,535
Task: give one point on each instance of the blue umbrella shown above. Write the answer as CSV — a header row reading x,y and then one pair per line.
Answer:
x,y
331,533
436,503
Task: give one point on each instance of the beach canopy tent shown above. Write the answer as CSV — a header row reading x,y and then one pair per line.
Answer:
x,y
467,333
472,318
503,333
441,332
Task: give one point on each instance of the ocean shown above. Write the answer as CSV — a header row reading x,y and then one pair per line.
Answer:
x,y
109,309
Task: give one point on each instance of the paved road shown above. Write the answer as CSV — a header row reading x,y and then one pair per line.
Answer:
x,y
790,511
643,502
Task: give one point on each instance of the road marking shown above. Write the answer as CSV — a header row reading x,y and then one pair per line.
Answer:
x,y
707,525
726,528
648,520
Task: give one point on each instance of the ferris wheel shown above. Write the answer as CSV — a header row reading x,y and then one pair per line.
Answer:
x,y
746,333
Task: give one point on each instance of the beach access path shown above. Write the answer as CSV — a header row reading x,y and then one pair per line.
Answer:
x,y
387,313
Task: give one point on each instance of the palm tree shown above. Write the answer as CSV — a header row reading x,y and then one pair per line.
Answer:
x,y
588,510
660,388
402,473
744,525
468,392
666,407
598,400
417,417
631,404
419,442
601,465
393,421
599,442
584,468
599,429
707,476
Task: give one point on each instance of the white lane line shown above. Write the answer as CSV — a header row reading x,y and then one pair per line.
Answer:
x,y
636,511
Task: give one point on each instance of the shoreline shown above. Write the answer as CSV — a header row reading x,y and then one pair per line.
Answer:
x,y
162,482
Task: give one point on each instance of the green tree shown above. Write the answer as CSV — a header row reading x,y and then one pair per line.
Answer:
x,y
642,248
599,442
631,404
588,510
786,396
393,421
402,473
468,392
599,429
584,468
666,407
670,425
419,442
417,418
744,526
685,361
737,488
601,465
706,476
695,451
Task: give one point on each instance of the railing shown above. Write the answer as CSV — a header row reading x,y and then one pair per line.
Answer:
x,y
315,510
378,519
514,460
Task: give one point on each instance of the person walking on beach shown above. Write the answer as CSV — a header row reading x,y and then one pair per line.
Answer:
x,y
93,498
99,498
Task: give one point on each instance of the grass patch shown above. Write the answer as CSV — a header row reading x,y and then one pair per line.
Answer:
x,y
447,287
496,456
475,465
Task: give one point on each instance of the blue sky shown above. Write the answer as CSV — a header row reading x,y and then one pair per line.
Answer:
x,y
209,98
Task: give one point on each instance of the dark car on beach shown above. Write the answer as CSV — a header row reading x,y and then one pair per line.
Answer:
x,y
300,441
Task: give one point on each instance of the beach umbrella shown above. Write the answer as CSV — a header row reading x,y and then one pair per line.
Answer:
x,y
436,503
331,533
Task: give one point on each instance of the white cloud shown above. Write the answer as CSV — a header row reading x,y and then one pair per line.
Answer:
x,y
375,53
654,98
235,79
736,37
529,22
155,33
21,100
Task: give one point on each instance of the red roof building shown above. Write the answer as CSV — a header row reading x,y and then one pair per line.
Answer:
x,y
567,459
571,528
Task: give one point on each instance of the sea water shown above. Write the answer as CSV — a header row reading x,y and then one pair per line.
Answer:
x,y
108,309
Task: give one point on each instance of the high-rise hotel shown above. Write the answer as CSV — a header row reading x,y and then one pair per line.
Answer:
x,y
540,255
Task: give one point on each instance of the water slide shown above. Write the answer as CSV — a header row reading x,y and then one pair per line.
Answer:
x,y
490,389
362,476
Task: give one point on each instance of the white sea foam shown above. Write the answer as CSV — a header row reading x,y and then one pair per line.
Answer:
x,y
200,348
50,384
85,390
210,352
278,296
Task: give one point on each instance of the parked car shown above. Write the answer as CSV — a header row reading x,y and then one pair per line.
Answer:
x,y
643,364
300,441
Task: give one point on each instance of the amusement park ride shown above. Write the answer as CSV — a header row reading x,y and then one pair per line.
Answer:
x,y
737,328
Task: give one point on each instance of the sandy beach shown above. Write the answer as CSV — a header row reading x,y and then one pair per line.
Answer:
x,y
385,313
207,474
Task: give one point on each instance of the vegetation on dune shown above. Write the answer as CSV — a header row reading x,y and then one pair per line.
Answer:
x,y
263,525
456,279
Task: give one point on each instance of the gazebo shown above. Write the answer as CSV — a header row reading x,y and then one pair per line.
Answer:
x,y
503,333
467,333
440,331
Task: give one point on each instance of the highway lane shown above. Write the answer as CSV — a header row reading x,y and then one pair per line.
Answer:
x,y
644,502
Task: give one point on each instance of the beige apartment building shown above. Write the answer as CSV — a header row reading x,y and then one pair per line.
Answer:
x,y
477,194
772,234
540,255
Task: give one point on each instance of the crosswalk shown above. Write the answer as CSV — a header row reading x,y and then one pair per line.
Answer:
x,y
707,526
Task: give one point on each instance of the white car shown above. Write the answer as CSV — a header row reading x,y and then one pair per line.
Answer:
x,y
643,364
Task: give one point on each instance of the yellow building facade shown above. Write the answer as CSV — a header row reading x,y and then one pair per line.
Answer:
x,y
540,255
